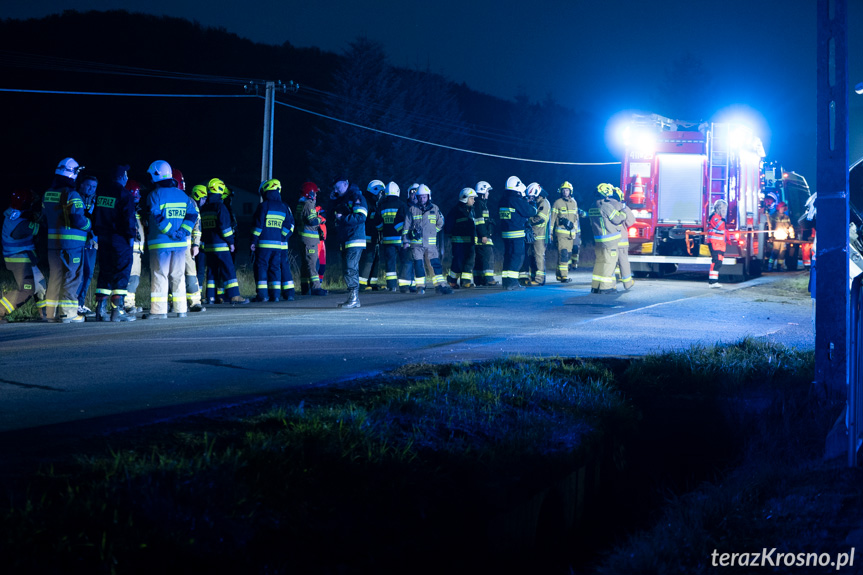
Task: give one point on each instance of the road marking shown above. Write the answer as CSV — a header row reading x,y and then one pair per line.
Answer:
x,y
645,307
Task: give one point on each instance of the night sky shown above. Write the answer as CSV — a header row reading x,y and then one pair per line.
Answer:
x,y
604,57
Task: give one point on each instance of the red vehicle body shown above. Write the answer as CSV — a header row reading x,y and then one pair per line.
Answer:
x,y
672,173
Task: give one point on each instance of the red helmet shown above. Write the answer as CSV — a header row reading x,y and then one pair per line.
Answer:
x,y
181,181
135,188
310,190
22,200
781,206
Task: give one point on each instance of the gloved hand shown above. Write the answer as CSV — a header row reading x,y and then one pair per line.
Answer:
x,y
232,248
178,234
252,247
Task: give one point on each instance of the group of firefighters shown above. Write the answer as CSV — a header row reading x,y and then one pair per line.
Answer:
x,y
187,231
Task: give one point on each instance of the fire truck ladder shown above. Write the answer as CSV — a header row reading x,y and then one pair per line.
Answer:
x,y
719,163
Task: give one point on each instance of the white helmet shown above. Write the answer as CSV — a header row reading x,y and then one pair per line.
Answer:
x,y
514,184
68,167
160,170
393,189
483,188
424,190
465,194
376,187
811,212
533,190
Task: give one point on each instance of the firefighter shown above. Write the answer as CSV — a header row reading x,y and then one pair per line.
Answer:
x,y
310,222
171,217
134,189
68,228
273,223
426,221
780,223
533,269
20,227
199,196
351,212
218,237
565,226
406,253
716,233
116,227
605,223
461,227
87,188
193,248
624,270
369,261
483,271
393,227
514,213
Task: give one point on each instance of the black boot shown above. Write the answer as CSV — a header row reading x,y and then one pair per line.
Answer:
x,y
352,301
102,313
119,311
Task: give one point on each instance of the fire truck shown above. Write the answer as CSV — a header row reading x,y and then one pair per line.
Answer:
x,y
672,173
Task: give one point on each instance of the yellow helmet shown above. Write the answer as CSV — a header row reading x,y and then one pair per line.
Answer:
x,y
199,192
619,193
565,185
217,186
269,185
605,189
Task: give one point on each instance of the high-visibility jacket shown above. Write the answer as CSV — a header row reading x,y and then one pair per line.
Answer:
x,y
273,222
63,210
514,212
309,222
460,224
716,232
18,237
351,226
605,222
565,208
115,212
539,222
216,231
484,223
393,223
172,216
426,221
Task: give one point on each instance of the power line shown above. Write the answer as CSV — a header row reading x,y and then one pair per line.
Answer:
x,y
128,94
445,146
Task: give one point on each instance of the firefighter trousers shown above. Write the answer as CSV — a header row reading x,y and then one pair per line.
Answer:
x,y
396,264
564,253
221,272
193,286
623,264
88,266
461,268
115,266
268,271
483,269
24,283
287,272
533,267
603,268
420,271
167,273
350,266
61,298
369,263
513,257
309,276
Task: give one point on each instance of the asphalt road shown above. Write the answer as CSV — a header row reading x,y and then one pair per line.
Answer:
x,y
143,371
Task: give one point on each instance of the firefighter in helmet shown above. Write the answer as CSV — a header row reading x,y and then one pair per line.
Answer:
x,y
780,223
533,269
565,226
716,234
218,236
393,227
20,227
483,271
310,222
461,227
370,260
273,223
624,269
426,221
605,223
514,212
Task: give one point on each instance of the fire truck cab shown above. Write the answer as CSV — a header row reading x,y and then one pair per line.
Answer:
x,y
672,173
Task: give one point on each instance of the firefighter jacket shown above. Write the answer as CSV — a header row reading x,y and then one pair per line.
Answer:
x,y
779,221
216,231
309,222
539,222
484,223
426,221
393,223
624,227
372,234
273,222
716,232
460,224
565,209
65,219
514,213
605,222
172,216
18,237
354,211
115,212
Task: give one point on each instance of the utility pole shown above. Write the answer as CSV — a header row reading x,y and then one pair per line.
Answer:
x,y
832,304
270,89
